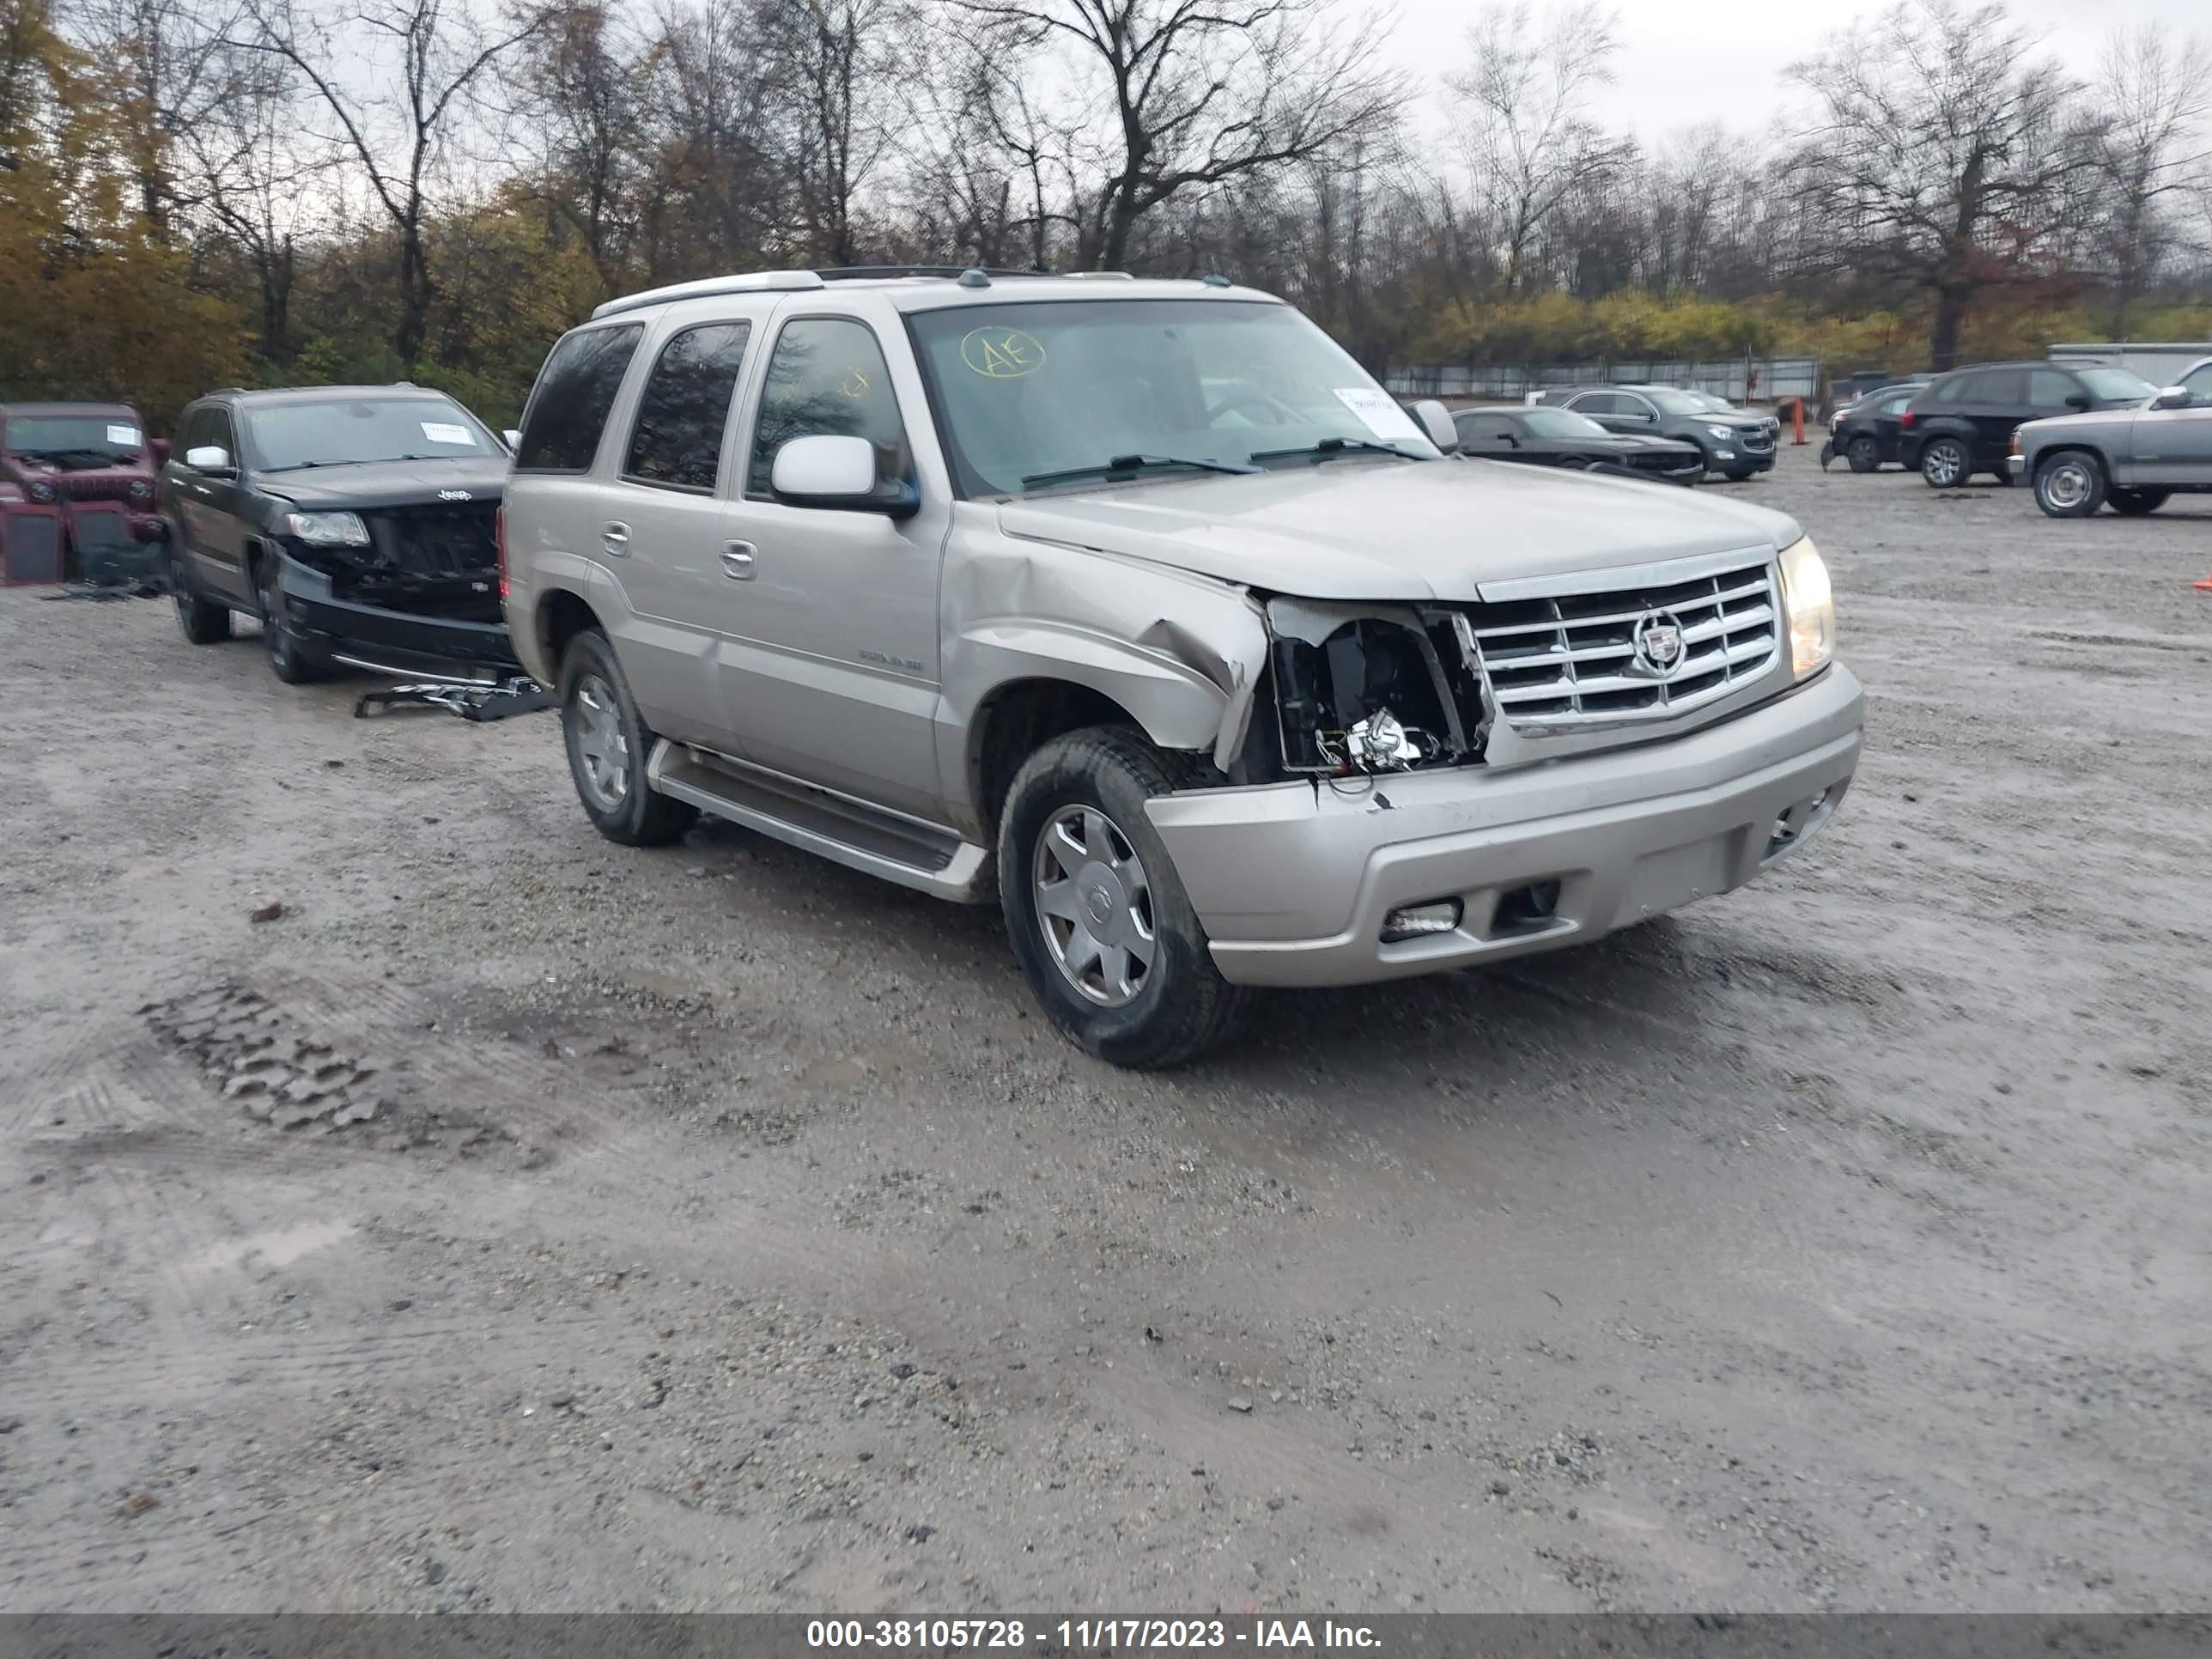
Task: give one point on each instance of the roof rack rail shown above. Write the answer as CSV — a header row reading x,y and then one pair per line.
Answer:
x,y
752,282
860,273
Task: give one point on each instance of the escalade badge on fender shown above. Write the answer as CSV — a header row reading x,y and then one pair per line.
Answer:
x,y
455,495
1658,640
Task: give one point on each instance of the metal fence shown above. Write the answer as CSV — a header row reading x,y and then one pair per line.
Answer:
x,y
1764,379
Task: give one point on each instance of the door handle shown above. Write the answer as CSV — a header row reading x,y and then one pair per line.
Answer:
x,y
738,561
615,537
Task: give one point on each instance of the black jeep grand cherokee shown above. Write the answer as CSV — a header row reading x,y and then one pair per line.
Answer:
x,y
358,524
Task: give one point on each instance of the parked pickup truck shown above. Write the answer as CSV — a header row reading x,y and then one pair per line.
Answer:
x,y
2132,458
1140,607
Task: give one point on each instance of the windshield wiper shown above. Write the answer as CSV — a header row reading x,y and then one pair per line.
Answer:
x,y
1129,465
1329,449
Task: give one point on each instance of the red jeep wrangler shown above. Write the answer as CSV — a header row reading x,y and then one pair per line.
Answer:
x,y
76,495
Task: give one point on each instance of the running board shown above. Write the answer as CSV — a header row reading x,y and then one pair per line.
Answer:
x,y
914,855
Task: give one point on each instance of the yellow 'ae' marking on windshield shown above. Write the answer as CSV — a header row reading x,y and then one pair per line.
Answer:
x,y
855,384
1001,354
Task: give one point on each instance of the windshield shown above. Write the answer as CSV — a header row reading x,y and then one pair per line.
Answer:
x,y
347,429
2116,383
1561,423
1680,402
1031,391
76,439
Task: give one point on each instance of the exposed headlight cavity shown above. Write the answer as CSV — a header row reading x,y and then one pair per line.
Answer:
x,y
1372,689
1812,607
328,529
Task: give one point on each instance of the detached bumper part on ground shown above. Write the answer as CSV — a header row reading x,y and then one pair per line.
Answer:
x,y
1295,883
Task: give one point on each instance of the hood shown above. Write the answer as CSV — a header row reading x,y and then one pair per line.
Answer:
x,y
370,485
1359,529
1630,440
2108,415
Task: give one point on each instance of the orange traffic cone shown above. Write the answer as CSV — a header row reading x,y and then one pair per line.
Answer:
x,y
2204,586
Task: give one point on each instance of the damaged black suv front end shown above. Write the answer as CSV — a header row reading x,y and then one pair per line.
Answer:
x,y
410,587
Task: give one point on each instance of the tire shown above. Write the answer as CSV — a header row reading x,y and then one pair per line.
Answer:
x,y
202,620
1945,464
289,659
608,744
2136,503
1864,453
1741,476
2069,484
1119,1007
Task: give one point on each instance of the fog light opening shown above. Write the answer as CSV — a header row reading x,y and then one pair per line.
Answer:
x,y
1523,909
1420,921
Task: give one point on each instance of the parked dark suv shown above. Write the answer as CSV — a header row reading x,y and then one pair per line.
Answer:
x,y
357,523
1734,443
1962,423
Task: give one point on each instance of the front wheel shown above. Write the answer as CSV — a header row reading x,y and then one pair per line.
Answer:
x,y
2070,485
289,658
2136,503
1864,455
609,744
202,620
1097,917
1945,464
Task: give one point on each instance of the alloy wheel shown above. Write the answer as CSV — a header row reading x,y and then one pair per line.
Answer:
x,y
1094,904
602,748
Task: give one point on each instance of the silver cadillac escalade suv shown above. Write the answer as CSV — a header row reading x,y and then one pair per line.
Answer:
x,y
1140,607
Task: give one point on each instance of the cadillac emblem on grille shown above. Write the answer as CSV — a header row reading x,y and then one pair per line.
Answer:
x,y
1658,638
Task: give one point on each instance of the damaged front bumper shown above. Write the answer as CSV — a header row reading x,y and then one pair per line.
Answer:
x,y
387,640
1298,884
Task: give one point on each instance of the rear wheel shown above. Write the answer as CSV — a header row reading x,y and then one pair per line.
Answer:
x,y
609,744
1864,453
2069,484
289,659
2136,503
202,620
1096,915
1945,464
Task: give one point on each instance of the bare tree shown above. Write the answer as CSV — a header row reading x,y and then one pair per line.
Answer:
x,y
588,94
2155,94
1521,110
252,189
835,65
397,137
1192,94
1938,152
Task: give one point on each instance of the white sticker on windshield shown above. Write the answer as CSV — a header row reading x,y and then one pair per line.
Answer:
x,y
442,432
1378,411
125,437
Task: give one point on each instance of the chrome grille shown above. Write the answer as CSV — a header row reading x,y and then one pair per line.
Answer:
x,y
1571,660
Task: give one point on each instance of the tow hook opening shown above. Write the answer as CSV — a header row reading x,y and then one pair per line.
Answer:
x,y
1525,909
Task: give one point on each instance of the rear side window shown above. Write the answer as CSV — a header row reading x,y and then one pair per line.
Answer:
x,y
576,389
678,438
1484,428
1599,402
2004,386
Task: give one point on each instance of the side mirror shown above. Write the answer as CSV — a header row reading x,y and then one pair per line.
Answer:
x,y
834,471
1436,423
149,530
2174,396
2079,400
158,449
514,440
212,459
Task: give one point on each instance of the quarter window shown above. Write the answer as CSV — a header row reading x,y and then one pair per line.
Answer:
x,y
828,377
678,438
575,390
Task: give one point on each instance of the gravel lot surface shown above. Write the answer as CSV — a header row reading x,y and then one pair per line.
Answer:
x,y
722,1230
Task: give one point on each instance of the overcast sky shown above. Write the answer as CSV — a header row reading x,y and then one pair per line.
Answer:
x,y
1681,63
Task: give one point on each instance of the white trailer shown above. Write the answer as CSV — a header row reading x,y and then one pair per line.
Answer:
x,y
2160,363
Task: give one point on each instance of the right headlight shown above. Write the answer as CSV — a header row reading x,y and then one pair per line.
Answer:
x,y
328,529
1811,603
